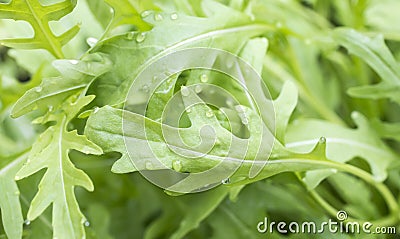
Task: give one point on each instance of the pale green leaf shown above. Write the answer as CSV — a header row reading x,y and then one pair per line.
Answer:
x,y
343,144
74,77
51,152
9,196
216,31
39,16
378,56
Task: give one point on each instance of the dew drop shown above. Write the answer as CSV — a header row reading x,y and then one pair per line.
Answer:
x,y
209,114
91,41
240,109
204,78
230,62
74,62
185,91
145,14
130,35
141,37
158,17
149,166
145,88
229,103
177,165
27,222
96,110
16,193
322,140
51,108
38,89
245,121
226,181
217,142
188,110
174,16
86,223
198,89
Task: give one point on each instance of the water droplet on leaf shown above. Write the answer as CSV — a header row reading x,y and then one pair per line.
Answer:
x,y
174,16
158,17
38,89
96,110
27,222
185,91
198,89
204,78
177,165
91,41
86,223
149,166
145,88
74,62
245,121
209,114
226,181
322,140
145,14
141,37
130,35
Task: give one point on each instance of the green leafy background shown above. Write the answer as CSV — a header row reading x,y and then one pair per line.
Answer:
x,y
332,68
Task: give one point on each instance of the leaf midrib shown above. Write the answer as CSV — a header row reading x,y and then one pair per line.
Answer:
x,y
48,38
61,173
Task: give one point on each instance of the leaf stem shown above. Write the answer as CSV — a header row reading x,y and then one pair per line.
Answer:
x,y
391,219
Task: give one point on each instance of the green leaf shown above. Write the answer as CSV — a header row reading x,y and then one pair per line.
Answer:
x,y
75,76
9,196
387,130
343,144
168,35
378,56
39,16
105,129
101,11
194,209
51,151
129,12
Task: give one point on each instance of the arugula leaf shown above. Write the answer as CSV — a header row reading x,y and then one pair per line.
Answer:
x,y
9,197
387,130
61,177
343,144
179,32
38,17
74,77
376,54
16,136
128,12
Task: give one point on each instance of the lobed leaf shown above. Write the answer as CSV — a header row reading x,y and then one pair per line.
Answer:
x,y
377,55
39,16
51,151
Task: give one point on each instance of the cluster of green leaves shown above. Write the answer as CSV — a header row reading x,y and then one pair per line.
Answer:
x,y
332,68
